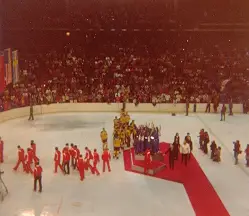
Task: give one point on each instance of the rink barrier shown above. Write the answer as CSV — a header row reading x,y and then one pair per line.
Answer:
x,y
104,107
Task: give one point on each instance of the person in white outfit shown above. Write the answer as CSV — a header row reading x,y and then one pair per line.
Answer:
x,y
185,150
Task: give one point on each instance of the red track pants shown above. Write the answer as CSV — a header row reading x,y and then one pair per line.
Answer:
x,y
146,167
28,168
108,165
82,173
88,165
18,163
1,156
36,159
56,165
95,169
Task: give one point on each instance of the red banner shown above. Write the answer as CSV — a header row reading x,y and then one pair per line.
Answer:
x,y
2,77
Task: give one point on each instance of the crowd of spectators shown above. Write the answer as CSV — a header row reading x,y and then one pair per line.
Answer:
x,y
121,66
129,76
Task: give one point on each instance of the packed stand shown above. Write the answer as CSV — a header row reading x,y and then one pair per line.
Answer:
x,y
119,66
127,76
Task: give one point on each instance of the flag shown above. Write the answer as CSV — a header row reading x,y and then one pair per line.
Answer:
x,y
224,83
15,66
8,65
2,77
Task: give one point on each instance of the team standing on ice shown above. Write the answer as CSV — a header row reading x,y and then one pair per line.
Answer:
x,y
144,139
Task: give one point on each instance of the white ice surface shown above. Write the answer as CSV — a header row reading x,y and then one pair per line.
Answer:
x,y
111,194
120,192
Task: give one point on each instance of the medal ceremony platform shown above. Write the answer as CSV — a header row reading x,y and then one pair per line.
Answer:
x,y
203,188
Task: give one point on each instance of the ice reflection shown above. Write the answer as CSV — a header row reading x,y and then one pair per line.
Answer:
x,y
48,211
26,212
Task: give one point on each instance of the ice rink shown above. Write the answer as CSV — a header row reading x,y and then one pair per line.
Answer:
x,y
118,192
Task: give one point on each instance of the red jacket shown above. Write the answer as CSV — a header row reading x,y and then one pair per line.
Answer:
x,y
72,151
57,156
88,155
95,157
247,151
33,146
106,156
38,171
21,154
29,156
237,147
80,164
1,145
76,153
65,149
201,134
66,156
147,157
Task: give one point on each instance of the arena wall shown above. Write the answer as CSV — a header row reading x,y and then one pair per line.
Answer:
x,y
103,107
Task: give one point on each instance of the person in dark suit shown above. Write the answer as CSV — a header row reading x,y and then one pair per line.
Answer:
x,y
187,106
208,106
171,154
176,145
223,113
231,107
31,112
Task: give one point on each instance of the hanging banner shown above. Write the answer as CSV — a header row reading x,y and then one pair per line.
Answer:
x,y
15,66
8,65
2,77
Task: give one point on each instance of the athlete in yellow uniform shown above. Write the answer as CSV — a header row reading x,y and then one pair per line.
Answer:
x,y
127,137
122,119
116,145
104,138
122,137
127,118
132,124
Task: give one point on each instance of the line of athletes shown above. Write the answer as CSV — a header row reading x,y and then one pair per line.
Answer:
x,y
69,155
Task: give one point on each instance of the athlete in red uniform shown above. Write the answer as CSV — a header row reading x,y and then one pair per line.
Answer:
x,y
28,160
95,161
71,150
66,161
33,147
20,159
38,177
88,158
81,167
147,161
76,156
1,150
106,157
57,160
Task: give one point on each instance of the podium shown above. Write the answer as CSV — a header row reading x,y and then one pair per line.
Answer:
x,y
156,165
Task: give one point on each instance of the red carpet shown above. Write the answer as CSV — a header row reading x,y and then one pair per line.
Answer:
x,y
202,195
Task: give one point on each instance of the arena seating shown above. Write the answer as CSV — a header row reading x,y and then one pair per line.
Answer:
x,y
123,52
